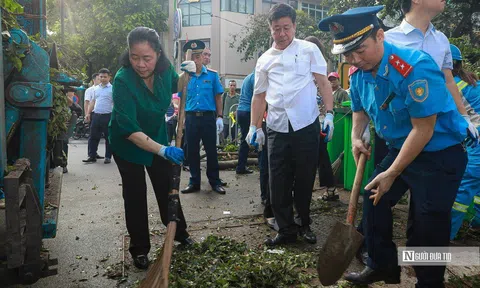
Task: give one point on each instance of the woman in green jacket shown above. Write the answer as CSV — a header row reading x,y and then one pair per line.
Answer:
x,y
142,92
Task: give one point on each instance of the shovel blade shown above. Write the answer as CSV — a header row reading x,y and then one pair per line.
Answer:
x,y
335,256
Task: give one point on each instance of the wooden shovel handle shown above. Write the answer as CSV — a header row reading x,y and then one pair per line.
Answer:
x,y
357,185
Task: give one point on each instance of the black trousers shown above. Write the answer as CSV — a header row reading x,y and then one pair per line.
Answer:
x,y
98,126
134,190
433,179
325,172
293,159
202,128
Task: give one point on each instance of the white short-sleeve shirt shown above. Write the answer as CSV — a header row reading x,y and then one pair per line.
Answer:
x,y
434,42
89,93
287,78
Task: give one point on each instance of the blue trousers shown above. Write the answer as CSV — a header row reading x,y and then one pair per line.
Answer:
x,y
433,179
469,191
98,126
243,118
202,128
2,195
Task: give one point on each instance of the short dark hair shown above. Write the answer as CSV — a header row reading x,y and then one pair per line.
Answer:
x,y
145,34
104,71
94,75
232,81
281,10
317,42
406,5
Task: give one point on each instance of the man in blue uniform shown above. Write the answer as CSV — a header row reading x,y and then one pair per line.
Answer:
x,y
469,86
203,121
404,92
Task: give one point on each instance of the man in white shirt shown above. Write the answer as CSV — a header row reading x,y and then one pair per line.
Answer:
x,y
284,79
416,31
89,92
102,105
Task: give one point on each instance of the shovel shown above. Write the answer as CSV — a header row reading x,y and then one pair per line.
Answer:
x,y
344,240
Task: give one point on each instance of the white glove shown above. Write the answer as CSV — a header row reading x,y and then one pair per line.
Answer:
x,y
327,127
188,66
259,139
472,132
366,135
219,125
251,132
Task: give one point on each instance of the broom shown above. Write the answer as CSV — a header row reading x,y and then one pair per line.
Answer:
x,y
157,275
336,164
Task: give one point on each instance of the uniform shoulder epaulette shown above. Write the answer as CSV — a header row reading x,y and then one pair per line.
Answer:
x,y
400,65
352,70
211,70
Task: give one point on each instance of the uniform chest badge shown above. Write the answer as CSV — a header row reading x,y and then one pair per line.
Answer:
x,y
419,90
207,81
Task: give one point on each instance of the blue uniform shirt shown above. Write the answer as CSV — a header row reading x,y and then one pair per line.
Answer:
x,y
420,94
471,95
245,101
202,90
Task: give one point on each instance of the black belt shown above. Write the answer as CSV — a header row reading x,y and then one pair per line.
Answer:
x,y
200,114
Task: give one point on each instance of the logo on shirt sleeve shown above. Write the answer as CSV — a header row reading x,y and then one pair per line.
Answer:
x,y
419,90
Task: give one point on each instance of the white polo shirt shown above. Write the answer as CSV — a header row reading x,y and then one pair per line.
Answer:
x,y
103,99
89,93
286,76
434,42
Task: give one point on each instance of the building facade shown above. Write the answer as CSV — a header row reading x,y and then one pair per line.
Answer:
x,y
214,21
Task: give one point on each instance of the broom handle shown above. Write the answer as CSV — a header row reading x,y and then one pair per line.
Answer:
x,y
177,170
357,183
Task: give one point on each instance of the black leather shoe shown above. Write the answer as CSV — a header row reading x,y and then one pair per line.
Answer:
x,y
191,189
99,157
246,171
141,262
223,183
369,276
306,233
186,241
90,160
281,239
219,189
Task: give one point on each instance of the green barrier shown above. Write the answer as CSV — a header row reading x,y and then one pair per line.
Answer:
x,y
336,145
349,162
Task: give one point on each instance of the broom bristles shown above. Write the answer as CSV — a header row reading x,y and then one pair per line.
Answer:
x,y
336,164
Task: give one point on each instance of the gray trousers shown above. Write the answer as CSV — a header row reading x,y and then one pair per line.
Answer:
x,y
293,159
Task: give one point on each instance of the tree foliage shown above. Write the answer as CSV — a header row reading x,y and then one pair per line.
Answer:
x,y
256,36
96,31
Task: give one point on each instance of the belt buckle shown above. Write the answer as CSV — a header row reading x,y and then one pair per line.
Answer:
x,y
198,114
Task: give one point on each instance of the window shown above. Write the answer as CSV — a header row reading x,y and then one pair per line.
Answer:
x,y
240,6
196,12
267,4
317,12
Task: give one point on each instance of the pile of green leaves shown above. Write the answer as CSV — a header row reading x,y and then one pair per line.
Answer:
x,y
222,262
230,147
59,117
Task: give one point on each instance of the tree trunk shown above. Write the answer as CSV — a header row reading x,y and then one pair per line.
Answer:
x,y
223,165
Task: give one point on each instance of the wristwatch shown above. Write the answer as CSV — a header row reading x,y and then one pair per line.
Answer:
x,y
220,116
330,111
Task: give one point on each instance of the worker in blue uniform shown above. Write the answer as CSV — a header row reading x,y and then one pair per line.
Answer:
x,y
203,121
469,190
404,93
